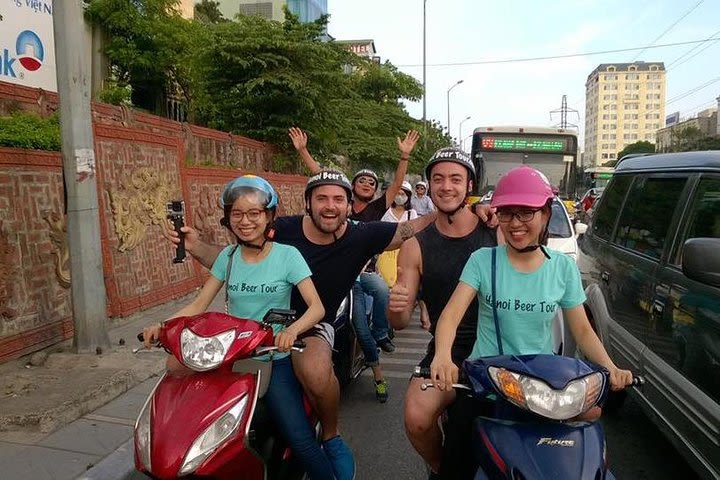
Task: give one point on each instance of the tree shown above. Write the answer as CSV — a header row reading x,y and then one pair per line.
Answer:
x,y
148,46
208,12
637,147
686,139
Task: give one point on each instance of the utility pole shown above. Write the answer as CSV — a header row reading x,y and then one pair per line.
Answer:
x,y
424,94
570,167
79,169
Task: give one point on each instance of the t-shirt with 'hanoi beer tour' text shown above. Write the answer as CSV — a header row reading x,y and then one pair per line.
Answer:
x,y
526,302
255,288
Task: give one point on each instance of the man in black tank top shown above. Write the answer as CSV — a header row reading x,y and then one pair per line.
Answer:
x,y
434,259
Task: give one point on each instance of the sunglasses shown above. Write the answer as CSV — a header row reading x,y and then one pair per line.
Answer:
x,y
366,181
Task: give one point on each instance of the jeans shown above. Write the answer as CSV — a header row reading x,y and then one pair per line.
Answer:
x,y
373,285
284,399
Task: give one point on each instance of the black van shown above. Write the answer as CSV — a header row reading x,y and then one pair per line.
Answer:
x,y
650,262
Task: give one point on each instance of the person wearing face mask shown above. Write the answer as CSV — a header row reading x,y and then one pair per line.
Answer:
x,y
401,210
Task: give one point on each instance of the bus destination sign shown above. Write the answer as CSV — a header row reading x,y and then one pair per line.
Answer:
x,y
523,144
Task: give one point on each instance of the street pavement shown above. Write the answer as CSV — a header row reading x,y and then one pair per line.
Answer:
x,y
101,394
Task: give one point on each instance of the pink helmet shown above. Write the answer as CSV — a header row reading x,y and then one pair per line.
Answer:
x,y
522,186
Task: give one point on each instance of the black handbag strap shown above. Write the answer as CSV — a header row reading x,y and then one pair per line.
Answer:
x,y
227,279
494,302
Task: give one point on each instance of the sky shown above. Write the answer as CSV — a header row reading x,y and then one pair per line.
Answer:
x,y
524,93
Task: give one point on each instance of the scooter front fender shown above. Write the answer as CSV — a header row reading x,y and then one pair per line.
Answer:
x,y
539,450
184,406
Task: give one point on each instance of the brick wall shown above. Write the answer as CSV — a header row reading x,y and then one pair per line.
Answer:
x,y
140,158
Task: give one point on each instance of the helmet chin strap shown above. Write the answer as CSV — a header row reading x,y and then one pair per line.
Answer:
x,y
453,212
532,248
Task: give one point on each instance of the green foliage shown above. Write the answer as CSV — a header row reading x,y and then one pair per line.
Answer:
x,y
257,78
691,138
29,131
637,147
208,12
115,94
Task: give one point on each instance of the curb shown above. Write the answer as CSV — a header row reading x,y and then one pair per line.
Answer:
x,y
116,466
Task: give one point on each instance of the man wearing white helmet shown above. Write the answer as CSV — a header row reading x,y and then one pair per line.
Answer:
x,y
421,201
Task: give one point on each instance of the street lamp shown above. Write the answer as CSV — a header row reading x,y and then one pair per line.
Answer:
x,y
448,102
460,130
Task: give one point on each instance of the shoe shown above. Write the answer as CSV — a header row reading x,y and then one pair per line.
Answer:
x,y
386,345
341,458
381,390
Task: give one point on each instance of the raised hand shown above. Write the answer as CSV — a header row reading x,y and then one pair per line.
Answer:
x,y
407,144
298,137
192,237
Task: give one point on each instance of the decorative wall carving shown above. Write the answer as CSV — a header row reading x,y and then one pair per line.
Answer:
x,y
58,236
6,271
137,204
207,214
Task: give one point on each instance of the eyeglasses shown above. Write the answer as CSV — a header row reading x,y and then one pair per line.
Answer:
x,y
252,215
525,215
419,187
366,181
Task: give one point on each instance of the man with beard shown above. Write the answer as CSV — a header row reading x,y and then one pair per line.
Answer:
x,y
336,252
433,261
364,209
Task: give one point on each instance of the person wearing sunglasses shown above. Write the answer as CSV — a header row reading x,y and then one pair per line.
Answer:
x,y
421,201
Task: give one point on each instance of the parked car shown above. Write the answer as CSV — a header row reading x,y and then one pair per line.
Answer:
x,y
650,261
561,232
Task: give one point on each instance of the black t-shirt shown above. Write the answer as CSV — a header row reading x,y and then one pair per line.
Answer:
x,y
443,260
373,212
336,266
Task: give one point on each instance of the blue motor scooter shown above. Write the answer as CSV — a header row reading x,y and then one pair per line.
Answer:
x,y
526,428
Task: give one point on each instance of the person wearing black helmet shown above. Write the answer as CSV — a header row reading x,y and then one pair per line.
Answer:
x,y
364,209
336,251
432,261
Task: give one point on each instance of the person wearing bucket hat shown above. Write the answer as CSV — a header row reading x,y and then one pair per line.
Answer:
x,y
537,280
432,262
336,251
421,201
249,204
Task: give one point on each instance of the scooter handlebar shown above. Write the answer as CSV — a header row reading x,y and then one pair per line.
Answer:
x,y
637,381
421,372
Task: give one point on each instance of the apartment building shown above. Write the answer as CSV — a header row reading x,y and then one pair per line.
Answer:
x,y
306,10
706,123
624,104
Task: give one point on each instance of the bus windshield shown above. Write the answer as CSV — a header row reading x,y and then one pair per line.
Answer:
x,y
496,150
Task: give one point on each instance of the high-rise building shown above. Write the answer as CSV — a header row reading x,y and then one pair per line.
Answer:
x,y
306,10
624,104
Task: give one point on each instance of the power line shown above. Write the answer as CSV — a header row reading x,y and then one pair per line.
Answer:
x,y
680,60
669,28
555,57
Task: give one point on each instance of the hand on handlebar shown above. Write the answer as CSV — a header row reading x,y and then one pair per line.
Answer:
x,y
285,339
151,335
619,379
443,373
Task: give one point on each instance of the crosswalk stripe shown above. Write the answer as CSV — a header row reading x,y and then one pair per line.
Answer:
x,y
419,351
385,360
390,374
420,341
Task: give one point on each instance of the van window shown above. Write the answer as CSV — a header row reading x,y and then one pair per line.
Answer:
x,y
645,219
607,213
704,216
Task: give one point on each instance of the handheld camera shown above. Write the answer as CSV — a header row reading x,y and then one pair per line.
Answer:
x,y
176,214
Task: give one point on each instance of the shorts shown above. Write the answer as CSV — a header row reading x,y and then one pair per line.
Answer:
x,y
321,330
458,353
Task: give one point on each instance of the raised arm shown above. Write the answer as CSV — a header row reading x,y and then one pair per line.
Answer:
x,y
404,292
407,230
406,147
299,140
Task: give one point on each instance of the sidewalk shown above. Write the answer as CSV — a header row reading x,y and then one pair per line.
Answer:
x,y
73,416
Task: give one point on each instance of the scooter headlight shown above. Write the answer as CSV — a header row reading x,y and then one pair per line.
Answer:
x,y
539,397
204,353
142,434
205,444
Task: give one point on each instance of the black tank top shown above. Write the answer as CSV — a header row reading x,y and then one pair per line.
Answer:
x,y
443,260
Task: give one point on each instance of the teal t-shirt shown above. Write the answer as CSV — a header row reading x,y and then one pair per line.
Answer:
x,y
526,302
255,288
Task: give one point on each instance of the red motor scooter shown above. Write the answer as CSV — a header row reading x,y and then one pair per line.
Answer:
x,y
206,420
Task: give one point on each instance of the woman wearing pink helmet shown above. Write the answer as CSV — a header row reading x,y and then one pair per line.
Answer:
x,y
531,281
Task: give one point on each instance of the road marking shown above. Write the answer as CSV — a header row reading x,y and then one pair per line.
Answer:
x,y
419,351
399,361
419,341
389,374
